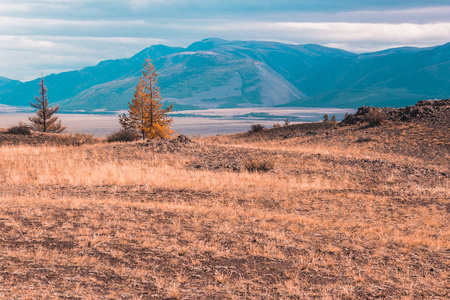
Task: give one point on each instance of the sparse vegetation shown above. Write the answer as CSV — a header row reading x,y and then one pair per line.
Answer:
x,y
78,139
375,117
47,139
287,122
184,219
259,165
123,135
256,128
333,119
326,118
276,125
21,129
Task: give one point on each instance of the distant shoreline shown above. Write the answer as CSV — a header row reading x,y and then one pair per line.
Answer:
x,y
192,123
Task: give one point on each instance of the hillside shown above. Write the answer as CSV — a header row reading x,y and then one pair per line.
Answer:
x,y
215,73
339,211
6,83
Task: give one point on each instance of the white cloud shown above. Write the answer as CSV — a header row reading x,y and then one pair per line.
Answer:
x,y
34,7
11,23
6,8
380,34
49,35
21,53
137,4
25,57
355,32
414,15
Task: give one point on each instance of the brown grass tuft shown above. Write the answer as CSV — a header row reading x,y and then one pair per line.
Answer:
x,y
375,117
123,136
259,165
20,129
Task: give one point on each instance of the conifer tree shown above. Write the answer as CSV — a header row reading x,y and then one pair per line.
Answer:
x,y
45,121
146,115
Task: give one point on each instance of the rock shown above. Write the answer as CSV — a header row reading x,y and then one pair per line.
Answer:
x,y
423,110
183,139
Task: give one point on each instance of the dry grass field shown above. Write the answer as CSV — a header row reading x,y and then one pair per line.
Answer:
x,y
339,212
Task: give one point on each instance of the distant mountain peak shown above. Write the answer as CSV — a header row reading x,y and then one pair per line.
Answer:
x,y
216,73
215,40
8,83
206,44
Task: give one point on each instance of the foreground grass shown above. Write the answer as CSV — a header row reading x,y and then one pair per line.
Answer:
x,y
141,221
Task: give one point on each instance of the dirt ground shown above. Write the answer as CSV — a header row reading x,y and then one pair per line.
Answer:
x,y
339,212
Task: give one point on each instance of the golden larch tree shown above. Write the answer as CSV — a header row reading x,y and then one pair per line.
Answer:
x,y
146,115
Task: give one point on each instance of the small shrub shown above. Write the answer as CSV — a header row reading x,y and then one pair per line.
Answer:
x,y
287,122
21,129
326,119
257,128
259,165
364,140
276,125
311,133
333,119
122,136
375,117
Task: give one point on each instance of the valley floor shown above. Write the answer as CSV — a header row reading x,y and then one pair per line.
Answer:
x,y
192,123
340,212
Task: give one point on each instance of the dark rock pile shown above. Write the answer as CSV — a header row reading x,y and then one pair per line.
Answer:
x,y
168,145
183,139
428,110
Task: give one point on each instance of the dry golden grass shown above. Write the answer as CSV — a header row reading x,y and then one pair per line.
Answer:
x,y
167,220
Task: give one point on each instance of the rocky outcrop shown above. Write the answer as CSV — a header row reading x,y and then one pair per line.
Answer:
x,y
425,110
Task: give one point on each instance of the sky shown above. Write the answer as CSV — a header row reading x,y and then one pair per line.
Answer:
x,y
52,36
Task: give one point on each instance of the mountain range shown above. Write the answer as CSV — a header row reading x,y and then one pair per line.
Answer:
x,y
215,73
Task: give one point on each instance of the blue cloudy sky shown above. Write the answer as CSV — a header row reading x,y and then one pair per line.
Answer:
x,y
52,36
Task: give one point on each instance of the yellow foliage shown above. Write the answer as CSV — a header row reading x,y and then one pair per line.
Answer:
x,y
146,114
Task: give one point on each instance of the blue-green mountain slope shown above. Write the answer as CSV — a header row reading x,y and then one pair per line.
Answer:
x,y
217,73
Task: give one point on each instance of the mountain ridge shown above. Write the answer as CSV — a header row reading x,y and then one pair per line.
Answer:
x,y
215,73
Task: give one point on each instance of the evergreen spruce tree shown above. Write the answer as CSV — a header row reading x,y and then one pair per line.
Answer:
x,y
45,121
146,115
